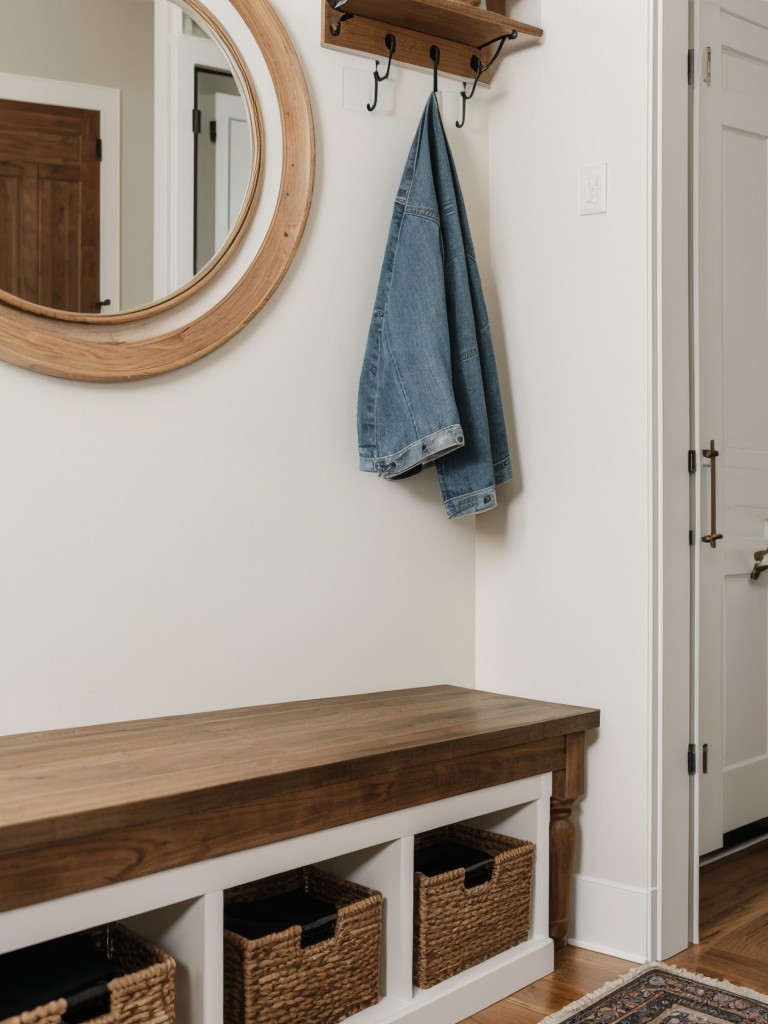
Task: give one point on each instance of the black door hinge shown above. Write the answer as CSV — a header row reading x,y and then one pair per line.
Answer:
x,y
197,121
690,67
690,539
691,461
691,758
212,132
98,149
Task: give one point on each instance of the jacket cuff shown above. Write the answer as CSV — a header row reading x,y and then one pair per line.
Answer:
x,y
471,504
419,453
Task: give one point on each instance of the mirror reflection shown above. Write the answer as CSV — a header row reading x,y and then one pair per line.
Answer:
x,y
126,151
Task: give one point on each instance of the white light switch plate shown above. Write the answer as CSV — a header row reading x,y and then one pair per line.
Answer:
x,y
592,189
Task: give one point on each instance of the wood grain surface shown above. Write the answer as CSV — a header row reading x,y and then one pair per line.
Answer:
x,y
85,807
460,30
443,19
734,945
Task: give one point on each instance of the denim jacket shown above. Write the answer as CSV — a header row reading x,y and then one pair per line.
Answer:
x,y
429,390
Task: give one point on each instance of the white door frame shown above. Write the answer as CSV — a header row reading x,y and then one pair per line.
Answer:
x,y
669,232
106,100
176,55
233,163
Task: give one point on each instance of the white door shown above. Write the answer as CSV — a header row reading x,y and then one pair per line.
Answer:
x,y
233,162
731,359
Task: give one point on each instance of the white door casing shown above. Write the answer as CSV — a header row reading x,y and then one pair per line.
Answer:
x,y
233,162
177,54
731,368
669,902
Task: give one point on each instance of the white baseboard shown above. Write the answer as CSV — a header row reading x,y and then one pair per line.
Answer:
x,y
610,918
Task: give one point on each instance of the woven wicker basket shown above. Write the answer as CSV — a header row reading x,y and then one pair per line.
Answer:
x,y
456,928
145,994
272,980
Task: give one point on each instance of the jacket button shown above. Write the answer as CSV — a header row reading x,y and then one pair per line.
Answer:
x,y
460,439
486,499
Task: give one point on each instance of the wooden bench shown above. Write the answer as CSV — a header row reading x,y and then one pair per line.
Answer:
x,y
88,808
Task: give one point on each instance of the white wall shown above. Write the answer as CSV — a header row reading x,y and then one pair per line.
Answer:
x,y
204,539
564,572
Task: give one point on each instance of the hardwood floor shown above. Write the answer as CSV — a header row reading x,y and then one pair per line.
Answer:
x,y
577,971
734,920
734,945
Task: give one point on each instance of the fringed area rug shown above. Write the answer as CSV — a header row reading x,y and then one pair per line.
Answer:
x,y
659,994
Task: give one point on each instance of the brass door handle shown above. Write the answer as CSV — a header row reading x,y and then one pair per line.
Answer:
x,y
713,536
759,556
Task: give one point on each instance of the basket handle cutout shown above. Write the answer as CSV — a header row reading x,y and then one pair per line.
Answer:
x,y
480,875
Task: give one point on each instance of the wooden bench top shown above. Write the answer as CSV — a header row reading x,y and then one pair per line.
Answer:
x,y
89,806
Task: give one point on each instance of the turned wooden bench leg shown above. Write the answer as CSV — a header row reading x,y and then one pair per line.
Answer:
x,y
567,786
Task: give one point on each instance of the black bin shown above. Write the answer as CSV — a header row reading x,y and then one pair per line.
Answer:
x,y
74,967
255,918
448,855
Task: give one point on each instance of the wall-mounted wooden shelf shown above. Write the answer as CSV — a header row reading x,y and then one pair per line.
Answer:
x,y
459,29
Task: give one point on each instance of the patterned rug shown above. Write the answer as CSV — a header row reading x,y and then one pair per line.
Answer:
x,y
659,994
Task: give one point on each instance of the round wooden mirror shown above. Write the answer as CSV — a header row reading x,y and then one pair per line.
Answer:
x,y
235,283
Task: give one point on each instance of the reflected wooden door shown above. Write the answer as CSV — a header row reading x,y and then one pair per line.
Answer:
x,y
49,205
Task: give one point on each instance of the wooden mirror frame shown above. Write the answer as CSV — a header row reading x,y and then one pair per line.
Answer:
x,y
132,345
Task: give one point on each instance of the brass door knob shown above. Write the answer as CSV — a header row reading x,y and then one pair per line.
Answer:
x,y
758,568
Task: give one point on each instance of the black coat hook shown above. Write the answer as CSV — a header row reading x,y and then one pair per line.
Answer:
x,y
335,29
477,67
391,43
434,53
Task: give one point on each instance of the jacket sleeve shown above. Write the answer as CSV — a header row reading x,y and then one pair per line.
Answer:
x,y
407,415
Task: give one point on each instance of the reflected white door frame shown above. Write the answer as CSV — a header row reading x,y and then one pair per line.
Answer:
x,y
233,163
177,53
